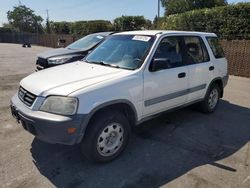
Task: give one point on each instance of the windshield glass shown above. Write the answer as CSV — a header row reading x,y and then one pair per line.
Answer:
x,y
122,51
86,42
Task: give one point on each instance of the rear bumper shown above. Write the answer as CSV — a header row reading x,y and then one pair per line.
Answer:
x,y
48,127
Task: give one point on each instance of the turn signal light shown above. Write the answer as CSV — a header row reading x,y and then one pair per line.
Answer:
x,y
71,130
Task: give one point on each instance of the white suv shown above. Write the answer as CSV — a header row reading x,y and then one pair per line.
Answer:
x,y
129,78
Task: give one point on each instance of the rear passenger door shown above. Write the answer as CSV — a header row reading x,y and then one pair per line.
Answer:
x,y
200,69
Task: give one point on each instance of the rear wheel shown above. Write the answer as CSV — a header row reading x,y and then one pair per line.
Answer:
x,y
211,100
106,137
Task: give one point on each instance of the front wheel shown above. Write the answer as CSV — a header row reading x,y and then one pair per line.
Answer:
x,y
106,137
211,100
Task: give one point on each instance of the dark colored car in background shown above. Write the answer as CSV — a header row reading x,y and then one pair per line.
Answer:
x,y
75,51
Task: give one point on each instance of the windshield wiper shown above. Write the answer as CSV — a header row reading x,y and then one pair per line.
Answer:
x,y
107,64
119,67
102,63
70,48
93,62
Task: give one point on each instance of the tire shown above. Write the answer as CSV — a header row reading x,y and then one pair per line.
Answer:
x,y
211,100
106,137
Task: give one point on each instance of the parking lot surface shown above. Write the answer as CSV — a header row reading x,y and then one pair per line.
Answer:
x,y
184,148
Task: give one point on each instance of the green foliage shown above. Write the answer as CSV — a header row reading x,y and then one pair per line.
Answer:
x,y
129,23
78,28
47,28
231,21
81,28
23,19
60,27
180,6
97,26
7,28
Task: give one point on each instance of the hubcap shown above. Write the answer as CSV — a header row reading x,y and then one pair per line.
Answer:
x,y
213,98
110,139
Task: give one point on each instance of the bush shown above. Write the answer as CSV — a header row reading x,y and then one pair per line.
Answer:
x,y
229,22
81,28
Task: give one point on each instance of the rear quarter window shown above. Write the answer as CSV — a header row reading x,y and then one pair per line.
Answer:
x,y
215,47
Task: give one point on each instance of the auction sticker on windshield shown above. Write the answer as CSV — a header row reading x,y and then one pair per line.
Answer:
x,y
141,38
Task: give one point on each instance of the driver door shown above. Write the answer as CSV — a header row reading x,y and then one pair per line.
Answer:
x,y
167,87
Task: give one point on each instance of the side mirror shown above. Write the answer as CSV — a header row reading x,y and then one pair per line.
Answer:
x,y
159,64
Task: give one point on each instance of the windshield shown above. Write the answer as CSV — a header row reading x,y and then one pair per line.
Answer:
x,y
122,51
86,42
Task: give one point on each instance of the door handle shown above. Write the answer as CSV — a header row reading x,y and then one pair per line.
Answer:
x,y
211,68
182,75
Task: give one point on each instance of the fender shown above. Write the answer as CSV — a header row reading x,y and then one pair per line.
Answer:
x,y
87,117
221,85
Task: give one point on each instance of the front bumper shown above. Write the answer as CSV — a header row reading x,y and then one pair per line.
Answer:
x,y
48,127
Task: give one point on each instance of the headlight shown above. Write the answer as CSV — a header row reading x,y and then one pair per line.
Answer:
x,y
60,105
58,60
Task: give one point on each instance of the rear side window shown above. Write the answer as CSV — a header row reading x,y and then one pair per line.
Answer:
x,y
216,47
196,50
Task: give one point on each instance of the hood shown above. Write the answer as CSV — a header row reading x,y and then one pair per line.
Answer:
x,y
65,79
59,52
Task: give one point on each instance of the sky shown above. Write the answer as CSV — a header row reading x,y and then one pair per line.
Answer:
x,y
74,10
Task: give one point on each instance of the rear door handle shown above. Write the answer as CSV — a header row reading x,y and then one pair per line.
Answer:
x,y
211,68
182,75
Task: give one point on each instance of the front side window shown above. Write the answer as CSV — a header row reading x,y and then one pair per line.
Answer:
x,y
196,50
170,50
216,47
122,51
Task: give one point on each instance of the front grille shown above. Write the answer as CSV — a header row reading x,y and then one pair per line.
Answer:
x,y
26,97
42,63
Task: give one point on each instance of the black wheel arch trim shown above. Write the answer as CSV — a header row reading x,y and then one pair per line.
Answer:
x,y
212,82
88,116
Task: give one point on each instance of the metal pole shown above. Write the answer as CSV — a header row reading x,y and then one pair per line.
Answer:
x,y
158,8
158,15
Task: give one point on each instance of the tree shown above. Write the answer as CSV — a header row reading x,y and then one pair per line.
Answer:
x,y
24,19
228,22
98,26
81,28
78,28
180,6
7,28
126,23
61,27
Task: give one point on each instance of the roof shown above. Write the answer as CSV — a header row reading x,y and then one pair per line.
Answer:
x,y
155,32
